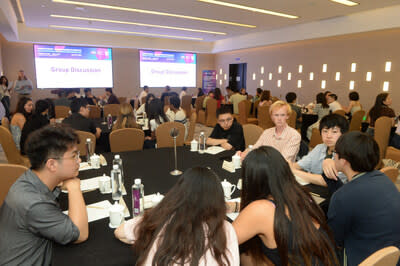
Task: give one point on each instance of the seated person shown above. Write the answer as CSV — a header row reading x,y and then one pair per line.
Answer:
x,y
89,97
125,118
309,168
110,97
291,100
79,119
175,113
30,217
156,117
166,93
227,132
235,99
22,114
258,95
279,223
395,141
210,95
334,105
282,137
193,211
363,214
39,119
381,108
145,106
65,97
265,98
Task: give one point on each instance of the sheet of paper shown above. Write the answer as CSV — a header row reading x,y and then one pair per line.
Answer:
x,y
228,166
97,211
214,150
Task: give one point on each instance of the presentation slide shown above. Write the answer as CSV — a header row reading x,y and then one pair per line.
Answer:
x,y
59,66
161,68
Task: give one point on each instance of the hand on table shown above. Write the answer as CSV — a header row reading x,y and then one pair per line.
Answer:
x,y
329,168
226,146
72,184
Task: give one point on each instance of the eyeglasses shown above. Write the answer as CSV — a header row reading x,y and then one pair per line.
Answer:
x,y
222,121
75,157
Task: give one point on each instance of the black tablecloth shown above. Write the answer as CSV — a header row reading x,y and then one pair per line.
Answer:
x,y
153,167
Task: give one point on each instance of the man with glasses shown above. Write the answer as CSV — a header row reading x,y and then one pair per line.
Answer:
x,y
30,217
227,133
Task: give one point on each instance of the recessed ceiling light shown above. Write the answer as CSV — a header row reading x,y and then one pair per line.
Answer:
x,y
138,24
125,32
346,2
151,12
253,9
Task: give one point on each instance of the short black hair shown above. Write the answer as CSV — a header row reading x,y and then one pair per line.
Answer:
x,y
145,87
334,120
87,90
184,88
354,96
49,142
76,104
334,96
224,110
359,149
109,90
259,90
41,106
290,97
175,102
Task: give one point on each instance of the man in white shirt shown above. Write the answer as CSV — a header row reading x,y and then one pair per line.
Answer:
x,y
183,93
334,105
143,94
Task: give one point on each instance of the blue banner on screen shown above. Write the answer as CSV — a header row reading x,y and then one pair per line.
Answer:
x,y
161,68
209,80
60,66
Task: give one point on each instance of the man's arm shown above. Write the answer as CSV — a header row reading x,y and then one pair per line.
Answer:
x,y
98,132
215,142
77,208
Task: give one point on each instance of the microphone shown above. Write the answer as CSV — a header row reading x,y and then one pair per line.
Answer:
x,y
174,133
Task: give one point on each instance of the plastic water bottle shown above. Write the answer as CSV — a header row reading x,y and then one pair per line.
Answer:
x,y
202,142
137,197
116,183
109,121
118,161
88,149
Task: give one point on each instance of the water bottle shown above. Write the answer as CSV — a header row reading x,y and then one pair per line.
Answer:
x,y
137,197
116,183
202,142
88,149
109,121
118,161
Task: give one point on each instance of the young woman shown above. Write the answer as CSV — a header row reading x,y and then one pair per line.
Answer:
x,y
321,109
125,118
265,98
380,108
144,108
354,104
187,227
22,113
219,97
5,89
279,221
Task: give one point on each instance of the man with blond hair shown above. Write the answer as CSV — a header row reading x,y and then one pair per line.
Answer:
x,y
282,137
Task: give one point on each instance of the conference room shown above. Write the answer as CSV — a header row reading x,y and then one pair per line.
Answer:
x,y
305,47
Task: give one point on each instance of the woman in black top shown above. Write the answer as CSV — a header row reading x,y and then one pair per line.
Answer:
x,y
380,108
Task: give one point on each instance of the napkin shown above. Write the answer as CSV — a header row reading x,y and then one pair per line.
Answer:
x,y
97,211
214,150
103,160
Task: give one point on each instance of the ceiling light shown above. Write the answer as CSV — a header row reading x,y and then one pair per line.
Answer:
x,y
135,23
388,66
125,32
150,12
346,2
299,83
253,9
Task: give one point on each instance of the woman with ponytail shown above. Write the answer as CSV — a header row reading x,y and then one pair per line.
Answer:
x,y
125,118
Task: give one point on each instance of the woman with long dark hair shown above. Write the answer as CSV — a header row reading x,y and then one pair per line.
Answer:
x,y
265,98
380,108
279,221
21,115
219,97
5,90
321,109
187,227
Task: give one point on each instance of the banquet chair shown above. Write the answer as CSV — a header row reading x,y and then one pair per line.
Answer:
x,y
164,138
255,108
186,105
201,114
356,120
5,123
94,111
383,126
211,113
251,134
315,138
9,174
388,256
83,135
244,111
391,172
292,119
112,109
192,127
61,111
122,100
126,139
340,112
13,155
392,153
264,118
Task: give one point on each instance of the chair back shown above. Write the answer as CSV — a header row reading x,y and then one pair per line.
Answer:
x,y
356,120
13,155
315,139
112,109
255,108
61,111
211,112
94,111
391,172
274,99
83,135
192,127
242,106
5,123
126,139
122,100
264,118
388,256
186,105
9,174
251,134
198,104
383,126
392,153
164,138
340,112
292,119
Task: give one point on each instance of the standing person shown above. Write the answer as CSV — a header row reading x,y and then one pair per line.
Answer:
x,y
380,108
282,137
291,98
279,222
364,214
30,216
23,86
89,97
165,93
5,94
143,94
235,99
194,211
183,93
21,115
125,118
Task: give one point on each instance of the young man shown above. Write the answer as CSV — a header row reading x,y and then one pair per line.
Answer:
x,y
309,168
175,113
89,97
79,119
282,137
30,217
364,214
227,133
110,96
291,98
143,94
235,99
